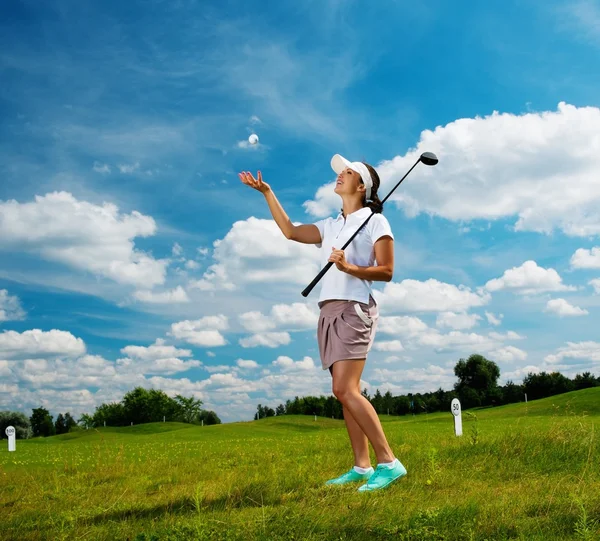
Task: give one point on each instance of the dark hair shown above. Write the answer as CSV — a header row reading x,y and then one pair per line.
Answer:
x,y
375,203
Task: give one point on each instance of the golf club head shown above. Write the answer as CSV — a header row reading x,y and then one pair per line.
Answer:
x,y
429,158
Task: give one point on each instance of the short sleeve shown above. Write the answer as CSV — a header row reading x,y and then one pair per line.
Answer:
x,y
380,227
321,227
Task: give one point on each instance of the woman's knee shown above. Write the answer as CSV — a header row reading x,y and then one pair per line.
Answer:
x,y
343,392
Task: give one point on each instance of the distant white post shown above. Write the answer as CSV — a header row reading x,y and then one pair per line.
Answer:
x,y
10,432
456,411
525,398
164,418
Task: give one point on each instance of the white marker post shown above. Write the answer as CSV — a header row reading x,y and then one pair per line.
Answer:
x,y
10,432
456,411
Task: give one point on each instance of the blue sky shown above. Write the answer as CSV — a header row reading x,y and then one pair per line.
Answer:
x,y
131,254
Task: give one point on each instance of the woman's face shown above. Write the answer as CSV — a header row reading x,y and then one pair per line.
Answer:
x,y
348,183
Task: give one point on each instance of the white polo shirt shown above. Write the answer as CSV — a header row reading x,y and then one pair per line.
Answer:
x,y
361,251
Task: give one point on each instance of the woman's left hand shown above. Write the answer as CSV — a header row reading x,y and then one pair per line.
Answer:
x,y
339,258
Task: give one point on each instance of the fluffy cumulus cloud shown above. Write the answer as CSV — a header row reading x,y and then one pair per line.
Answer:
x,y
540,168
492,319
595,283
266,339
529,279
255,251
457,321
171,296
89,237
586,351
10,307
295,316
413,380
563,307
288,364
586,259
204,332
412,334
429,296
38,343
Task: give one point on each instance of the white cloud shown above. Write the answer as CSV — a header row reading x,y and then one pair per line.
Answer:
x,y
161,365
540,168
457,321
429,296
38,343
390,345
158,350
10,307
245,363
128,168
287,364
595,283
563,308
171,296
177,250
586,259
255,251
190,264
508,354
492,319
295,316
266,339
202,332
83,235
101,168
528,279
414,379
404,326
586,351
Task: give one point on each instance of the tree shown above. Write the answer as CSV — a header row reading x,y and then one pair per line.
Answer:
x,y
17,419
69,422
41,423
60,426
210,417
280,410
113,414
585,381
512,393
543,384
477,379
190,408
377,402
86,421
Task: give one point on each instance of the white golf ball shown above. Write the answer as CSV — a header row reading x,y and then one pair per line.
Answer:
x,y
253,139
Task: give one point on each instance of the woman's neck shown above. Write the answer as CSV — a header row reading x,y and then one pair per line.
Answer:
x,y
351,206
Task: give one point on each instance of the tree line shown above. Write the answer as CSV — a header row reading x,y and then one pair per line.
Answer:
x,y
137,406
476,386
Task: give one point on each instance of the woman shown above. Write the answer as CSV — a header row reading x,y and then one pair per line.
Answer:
x,y
349,313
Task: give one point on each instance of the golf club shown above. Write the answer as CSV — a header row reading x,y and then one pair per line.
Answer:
x,y
428,158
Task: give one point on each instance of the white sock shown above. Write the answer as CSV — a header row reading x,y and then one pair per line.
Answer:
x,y
388,464
357,469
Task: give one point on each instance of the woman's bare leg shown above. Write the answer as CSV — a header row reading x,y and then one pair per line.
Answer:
x,y
346,387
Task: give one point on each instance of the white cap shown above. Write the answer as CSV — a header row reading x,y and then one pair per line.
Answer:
x,y
339,163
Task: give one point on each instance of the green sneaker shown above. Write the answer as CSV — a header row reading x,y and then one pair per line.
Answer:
x,y
384,477
351,476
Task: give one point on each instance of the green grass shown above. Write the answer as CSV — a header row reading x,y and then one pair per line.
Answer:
x,y
523,472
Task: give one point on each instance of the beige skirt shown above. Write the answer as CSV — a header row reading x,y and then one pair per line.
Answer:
x,y
346,330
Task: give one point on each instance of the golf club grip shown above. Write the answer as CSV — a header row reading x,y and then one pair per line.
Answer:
x,y
318,277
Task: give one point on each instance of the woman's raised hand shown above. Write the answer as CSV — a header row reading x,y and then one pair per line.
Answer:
x,y
256,183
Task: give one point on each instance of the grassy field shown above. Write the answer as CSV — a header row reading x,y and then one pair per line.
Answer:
x,y
524,471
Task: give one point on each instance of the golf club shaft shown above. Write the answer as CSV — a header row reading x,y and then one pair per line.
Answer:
x,y
324,270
